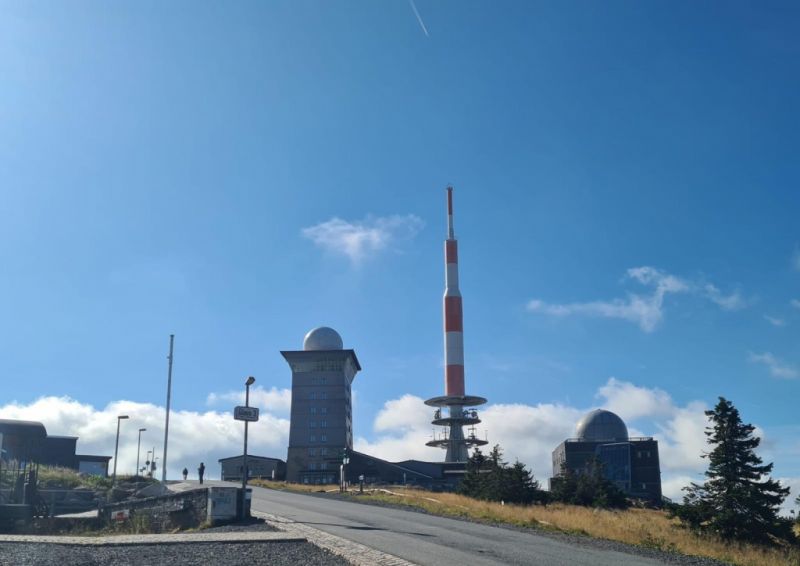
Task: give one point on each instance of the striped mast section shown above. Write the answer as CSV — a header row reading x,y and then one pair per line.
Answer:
x,y
453,317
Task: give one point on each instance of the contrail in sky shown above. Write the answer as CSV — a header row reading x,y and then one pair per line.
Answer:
x,y
419,18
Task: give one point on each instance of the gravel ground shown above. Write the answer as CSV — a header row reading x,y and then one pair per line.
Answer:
x,y
202,553
253,525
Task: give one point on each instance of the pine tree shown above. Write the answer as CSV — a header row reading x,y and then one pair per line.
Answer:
x,y
488,477
734,502
473,483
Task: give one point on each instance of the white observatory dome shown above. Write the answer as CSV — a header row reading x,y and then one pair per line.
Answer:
x,y
322,338
601,425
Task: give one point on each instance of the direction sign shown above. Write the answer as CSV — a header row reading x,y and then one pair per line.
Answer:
x,y
246,414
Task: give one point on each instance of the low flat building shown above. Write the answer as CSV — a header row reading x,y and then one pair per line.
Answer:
x,y
28,442
260,467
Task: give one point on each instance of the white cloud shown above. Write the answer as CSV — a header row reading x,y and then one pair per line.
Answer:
x,y
774,321
273,400
360,240
777,368
731,302
646,310
632,402
194,437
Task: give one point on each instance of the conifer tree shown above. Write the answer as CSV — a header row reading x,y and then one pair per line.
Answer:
x,y
488,477
735,502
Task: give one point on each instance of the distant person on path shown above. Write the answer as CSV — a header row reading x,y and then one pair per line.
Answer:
x,y
200,471
185,474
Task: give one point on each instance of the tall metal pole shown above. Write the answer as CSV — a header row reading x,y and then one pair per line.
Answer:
x,y
247,384
139,450
169,398
116,450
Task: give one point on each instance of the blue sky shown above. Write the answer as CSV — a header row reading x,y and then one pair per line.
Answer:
x,y
239,174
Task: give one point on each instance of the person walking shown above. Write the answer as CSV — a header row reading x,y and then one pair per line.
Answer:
x,y
200,471
185,474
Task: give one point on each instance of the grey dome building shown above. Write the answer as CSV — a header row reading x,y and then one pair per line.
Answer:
x,y
601,425
631,463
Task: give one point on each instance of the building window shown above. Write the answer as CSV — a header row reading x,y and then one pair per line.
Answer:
x,y
323,410
312,424
323,424
312,465
323,438
323,451
324,380
312,410
312,438
312,451
323,395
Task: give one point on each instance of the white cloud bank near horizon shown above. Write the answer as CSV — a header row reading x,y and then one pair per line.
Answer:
x,y
363,239
527,433
647,311
194,437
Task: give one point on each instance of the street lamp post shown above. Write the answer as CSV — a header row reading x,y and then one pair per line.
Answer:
x,y
116,449
139,450
247,384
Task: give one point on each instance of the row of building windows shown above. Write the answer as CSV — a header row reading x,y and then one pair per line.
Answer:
x,y
318,465
322,451
314,395
322,410
322,424
312,438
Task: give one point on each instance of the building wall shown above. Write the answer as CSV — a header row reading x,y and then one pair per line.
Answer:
x,y
59,451
640,477
645,469
321,414
260,467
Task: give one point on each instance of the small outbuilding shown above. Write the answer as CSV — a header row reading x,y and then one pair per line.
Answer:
x,y
261,467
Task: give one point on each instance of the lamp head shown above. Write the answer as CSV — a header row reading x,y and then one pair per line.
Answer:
x,y
250,380
142,429
123,417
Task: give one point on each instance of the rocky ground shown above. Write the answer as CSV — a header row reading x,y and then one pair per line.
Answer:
x,y
201,553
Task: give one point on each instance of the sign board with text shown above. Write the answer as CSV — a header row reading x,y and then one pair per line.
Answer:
x,y
246,414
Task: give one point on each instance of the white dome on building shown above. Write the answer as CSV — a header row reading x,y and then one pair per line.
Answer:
x,y
322,338
601,425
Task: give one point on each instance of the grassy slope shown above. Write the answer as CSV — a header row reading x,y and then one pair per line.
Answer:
x,y
643,527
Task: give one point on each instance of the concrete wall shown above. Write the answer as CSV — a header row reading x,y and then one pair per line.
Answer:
x,y
163,513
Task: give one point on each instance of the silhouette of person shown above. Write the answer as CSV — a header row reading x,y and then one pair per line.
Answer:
x,y
200,471
185,474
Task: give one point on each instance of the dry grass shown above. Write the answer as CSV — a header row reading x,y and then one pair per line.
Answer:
x,y
642,527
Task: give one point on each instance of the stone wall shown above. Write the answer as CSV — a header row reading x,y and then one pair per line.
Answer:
x,y
163,513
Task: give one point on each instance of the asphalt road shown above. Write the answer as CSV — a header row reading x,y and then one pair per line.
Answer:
x,y
433,541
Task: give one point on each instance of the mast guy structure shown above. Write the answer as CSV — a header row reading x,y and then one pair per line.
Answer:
x,y
459,405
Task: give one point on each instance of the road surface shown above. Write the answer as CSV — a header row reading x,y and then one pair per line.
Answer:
x,y
429,540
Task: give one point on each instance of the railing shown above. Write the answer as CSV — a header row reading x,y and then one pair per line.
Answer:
x,y
630,439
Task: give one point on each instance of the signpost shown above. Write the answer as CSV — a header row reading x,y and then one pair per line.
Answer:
x,y
248,414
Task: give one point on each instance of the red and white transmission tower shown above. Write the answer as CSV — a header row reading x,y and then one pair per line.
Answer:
x,y
457,403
